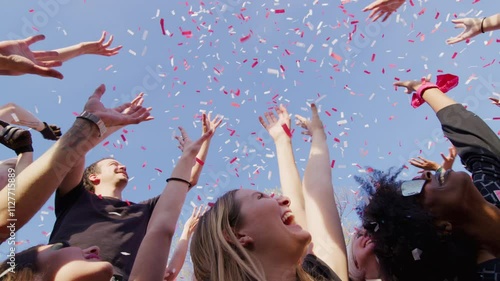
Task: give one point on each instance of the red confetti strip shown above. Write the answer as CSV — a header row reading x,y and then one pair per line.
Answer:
x,y
333,164
159,170
287,130
106,143
162,23
280,11
233,160
187,34
454,55
123,138
245,38
199,161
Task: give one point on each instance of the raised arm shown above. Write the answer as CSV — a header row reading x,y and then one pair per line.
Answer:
x,y
323,218
74,176
15,114
150,263
474,26
179,255
207,125
88,48
279,129
39,180
16,58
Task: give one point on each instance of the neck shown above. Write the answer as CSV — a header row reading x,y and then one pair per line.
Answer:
x,y
279,268
109,191
280,272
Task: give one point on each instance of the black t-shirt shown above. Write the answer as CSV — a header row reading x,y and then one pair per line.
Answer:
x,y
318,269
116,227
489,270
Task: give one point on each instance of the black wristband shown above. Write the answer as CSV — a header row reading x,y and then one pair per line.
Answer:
x,y
482,30
181,180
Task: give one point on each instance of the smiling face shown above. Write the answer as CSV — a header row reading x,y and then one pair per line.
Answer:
x,y
111,171
61,262
270,223
363,256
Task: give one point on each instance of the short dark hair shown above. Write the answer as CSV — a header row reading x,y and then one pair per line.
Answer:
x,y
92,169
409,243
26,267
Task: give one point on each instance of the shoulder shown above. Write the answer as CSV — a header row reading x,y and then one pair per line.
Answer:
x,y
318,269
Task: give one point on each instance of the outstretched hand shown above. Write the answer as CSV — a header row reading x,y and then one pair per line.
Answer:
x,y
471,26
278,127
193,220
382,8
191,148
311,126
125,114
412,85
424,164
100,48
210,124
21,60
450,159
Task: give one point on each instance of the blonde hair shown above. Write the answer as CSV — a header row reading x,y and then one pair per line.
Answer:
x,y
215,251
355,273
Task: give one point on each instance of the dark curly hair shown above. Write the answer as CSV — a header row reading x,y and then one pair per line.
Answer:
x,y
410,243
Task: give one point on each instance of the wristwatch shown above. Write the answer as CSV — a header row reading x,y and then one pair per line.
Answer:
x,y
94,119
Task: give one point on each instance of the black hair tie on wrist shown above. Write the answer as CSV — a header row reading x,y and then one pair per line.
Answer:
x,y
181,180
482,28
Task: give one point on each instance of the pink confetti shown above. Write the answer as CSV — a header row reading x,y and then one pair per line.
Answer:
x,y
106,143
287,130
336,57
162,24
280,11
159,170
123,137
373,57
235,104
187,34
199,161
333,164
454,55
245,38
233,160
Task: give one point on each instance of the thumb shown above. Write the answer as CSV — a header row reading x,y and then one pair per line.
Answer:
x,y
99,91
47,72
314,111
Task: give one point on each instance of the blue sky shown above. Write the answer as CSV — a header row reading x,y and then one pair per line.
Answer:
x,y
241,59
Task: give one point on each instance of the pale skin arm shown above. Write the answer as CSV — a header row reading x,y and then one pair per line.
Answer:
x,y
323,218
207,125
88,48
179,255
39,180
472,27
150,263
289,175
24,117
74,176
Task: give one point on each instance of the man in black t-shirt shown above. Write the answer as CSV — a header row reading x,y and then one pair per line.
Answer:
x,y
92,212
